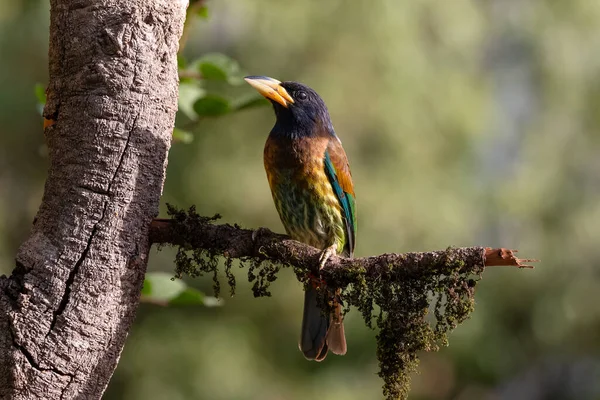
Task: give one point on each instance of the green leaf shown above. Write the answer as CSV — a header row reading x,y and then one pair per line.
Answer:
x,y
212,105
188,296
147,288
181,136
160,287
219,67
250,101
188,94
212,72
192,296
40,93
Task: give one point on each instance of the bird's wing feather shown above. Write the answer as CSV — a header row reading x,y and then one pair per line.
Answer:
x,y
338,173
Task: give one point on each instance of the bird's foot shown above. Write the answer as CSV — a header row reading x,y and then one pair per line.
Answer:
x,y
326,254
258,232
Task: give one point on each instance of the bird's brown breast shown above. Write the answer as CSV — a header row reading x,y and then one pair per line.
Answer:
x,y
298,158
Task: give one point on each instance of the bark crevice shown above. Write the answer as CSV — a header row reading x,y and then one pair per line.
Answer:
x,y
32,361
69,283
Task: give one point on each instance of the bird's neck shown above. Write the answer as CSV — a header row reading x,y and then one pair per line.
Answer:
x,y
287,128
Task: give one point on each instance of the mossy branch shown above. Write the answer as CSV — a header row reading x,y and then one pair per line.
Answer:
x,y
404,288
231,241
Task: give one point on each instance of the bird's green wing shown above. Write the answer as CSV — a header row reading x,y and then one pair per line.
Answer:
x,y
338,173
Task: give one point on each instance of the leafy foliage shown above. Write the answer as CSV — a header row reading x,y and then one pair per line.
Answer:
x,y
202,92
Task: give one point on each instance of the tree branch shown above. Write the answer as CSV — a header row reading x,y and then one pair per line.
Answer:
x,y
234,242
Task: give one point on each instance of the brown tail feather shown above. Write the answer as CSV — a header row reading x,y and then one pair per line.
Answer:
x,y
320,333
336,338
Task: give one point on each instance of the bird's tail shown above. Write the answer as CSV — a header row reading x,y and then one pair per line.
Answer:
x,y
321,333
336,338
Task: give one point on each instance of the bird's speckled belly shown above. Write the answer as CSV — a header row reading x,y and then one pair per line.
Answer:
x,y
309,209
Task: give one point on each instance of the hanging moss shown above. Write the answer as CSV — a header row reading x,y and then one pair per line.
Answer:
x,y
198,262
261,274
403,305
399,302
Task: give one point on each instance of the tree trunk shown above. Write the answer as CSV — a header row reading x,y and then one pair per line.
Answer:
x,y
112,97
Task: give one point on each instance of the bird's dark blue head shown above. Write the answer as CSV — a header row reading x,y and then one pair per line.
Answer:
x,y
300,111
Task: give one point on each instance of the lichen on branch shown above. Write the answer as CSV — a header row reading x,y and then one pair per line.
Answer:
x,y
398,291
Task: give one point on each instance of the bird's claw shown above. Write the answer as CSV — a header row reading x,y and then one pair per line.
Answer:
x,y
326,254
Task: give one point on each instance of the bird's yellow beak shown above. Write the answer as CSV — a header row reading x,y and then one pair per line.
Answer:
x,y
271,89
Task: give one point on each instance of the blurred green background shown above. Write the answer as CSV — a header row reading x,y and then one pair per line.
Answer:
x,y
465,122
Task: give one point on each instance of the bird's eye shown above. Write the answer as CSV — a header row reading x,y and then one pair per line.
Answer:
x,y
301,95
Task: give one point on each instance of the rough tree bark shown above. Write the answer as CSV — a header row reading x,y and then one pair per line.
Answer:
x,y
67,307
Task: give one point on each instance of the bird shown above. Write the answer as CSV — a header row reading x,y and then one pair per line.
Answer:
x,y
311,185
